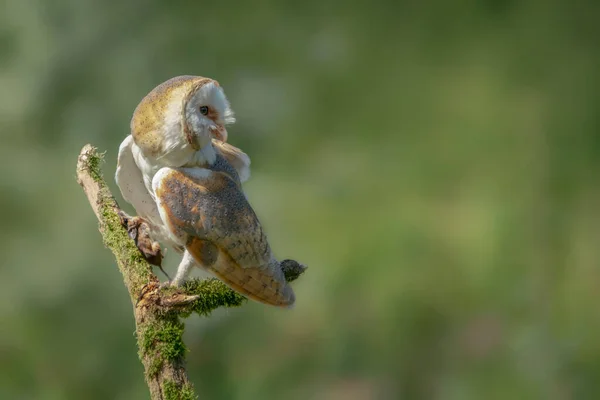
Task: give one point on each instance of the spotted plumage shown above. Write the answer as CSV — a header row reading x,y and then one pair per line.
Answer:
x,y
207,211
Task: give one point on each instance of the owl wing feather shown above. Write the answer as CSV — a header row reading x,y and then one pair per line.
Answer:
x,y
234,156
130,180
208,212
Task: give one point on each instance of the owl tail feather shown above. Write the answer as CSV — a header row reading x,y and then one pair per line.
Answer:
x,y
263,284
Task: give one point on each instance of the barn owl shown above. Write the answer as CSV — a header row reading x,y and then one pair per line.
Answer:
x,y
184,180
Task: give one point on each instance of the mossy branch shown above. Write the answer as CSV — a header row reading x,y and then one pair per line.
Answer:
x,y
158,313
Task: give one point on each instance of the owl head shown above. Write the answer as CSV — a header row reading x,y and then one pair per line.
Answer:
x,y
177,120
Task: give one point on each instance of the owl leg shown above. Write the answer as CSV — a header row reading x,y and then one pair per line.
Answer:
x,y
184,269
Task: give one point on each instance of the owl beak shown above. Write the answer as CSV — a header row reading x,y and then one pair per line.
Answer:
x,y
195,141
220,133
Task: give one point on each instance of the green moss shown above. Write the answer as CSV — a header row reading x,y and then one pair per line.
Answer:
x,y
94,162
187,392
148,337
172,392
164,337
162,342
213,294
155,366
133,266
171,337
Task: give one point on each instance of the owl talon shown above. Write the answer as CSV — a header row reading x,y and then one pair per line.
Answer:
x,y
143,291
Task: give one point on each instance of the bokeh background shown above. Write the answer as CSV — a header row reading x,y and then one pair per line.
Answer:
x,y
434,163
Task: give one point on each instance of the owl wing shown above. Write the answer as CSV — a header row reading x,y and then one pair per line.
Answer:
x,y
131,183
234,156
207,211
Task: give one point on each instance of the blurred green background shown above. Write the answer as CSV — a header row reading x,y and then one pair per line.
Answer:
x,y
434,163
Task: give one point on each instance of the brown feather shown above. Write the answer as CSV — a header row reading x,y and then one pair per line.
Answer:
x,y
208,211
234,156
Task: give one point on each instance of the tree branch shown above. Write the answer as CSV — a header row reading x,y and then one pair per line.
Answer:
x,y
157,312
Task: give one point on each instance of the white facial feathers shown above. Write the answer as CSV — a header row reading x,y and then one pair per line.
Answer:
x,y
217,113
212,96
184,109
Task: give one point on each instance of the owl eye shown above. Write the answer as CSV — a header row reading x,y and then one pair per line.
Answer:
x,y
204,110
